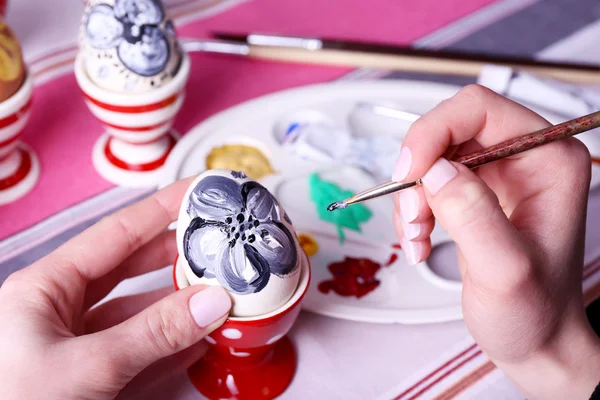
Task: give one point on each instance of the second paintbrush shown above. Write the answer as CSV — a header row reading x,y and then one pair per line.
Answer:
x,y
497,152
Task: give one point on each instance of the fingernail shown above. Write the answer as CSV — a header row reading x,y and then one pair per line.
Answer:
x,y
209,305
439,175
412,251
402,166
411,231
409,205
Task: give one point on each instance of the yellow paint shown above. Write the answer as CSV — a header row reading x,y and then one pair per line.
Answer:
x,y
237,157
308,244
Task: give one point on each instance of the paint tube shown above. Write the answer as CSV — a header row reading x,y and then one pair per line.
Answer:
x,y
320,143
556,100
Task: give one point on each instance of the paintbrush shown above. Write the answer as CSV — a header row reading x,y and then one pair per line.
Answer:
x,y
499,151
345,53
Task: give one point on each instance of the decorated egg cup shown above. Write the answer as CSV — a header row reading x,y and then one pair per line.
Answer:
x,y
249,357
139,134
19,166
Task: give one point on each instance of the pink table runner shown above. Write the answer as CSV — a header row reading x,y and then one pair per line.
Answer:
x,y
62,131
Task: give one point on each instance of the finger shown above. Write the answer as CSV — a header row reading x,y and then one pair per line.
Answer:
x,y
158,253
412,205
99,249
165,328
471,214
473,113
415,251
415,231
119,309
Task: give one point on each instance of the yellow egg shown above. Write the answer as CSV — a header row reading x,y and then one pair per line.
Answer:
x,y
12,67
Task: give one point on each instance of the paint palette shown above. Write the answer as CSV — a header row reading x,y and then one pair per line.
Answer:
x,y
358,269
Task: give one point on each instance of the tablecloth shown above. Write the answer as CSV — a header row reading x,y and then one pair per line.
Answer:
x,y
337,359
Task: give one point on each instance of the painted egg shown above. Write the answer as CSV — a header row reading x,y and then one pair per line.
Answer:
x,y
12,67
129,46
232,232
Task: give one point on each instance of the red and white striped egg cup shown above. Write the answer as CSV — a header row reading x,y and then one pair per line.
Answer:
x,y
19,166
138,135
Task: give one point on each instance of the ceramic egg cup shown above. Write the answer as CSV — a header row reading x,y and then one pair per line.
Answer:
x,y
249,357
139,134
19,166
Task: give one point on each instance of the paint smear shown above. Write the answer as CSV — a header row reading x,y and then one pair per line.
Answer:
x,y
308,244
393,259
238,157
323,193
351,277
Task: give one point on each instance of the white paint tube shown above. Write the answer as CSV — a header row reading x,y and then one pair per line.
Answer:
x,y
319,143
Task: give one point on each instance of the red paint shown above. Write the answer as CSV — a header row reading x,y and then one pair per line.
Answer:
x,y
392,260
133,109
19,174
151,166
397,246
351,277
265,362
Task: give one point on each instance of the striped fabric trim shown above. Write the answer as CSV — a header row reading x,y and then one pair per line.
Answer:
x,y
459,387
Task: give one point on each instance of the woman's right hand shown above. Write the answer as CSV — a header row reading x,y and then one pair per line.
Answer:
x,y
519,227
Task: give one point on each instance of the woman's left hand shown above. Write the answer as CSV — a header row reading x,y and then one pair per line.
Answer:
x,y
54,345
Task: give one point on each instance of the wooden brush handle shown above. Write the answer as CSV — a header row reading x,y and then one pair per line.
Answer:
x,y
415,63
523,143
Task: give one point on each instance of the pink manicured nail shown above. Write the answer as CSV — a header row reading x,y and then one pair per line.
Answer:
x,y
209,305
411,231
439,175
409,205
412,251
402,166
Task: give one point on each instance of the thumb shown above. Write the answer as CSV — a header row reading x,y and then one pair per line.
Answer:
x,y
471,214
168,326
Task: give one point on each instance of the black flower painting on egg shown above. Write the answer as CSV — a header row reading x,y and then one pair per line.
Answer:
x,y
237,234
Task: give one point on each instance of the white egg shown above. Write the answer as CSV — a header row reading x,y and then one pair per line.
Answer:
x,y
232,232
129,46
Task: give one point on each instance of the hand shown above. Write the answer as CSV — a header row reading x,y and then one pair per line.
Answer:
x,y
519,227
53,345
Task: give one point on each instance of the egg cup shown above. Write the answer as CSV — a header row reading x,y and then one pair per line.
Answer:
x,y
19,166
139,134
249,357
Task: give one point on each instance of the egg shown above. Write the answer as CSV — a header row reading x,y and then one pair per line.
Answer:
x,y
232,232
12,67
129,46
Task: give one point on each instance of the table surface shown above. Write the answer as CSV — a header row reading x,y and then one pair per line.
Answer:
x,y
337,358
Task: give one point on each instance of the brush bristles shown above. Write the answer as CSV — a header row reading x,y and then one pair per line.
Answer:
x,y
336,205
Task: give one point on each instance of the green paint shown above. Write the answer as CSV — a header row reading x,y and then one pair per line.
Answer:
x,y
323,193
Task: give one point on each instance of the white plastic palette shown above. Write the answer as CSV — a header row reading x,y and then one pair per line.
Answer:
x,y
406,294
